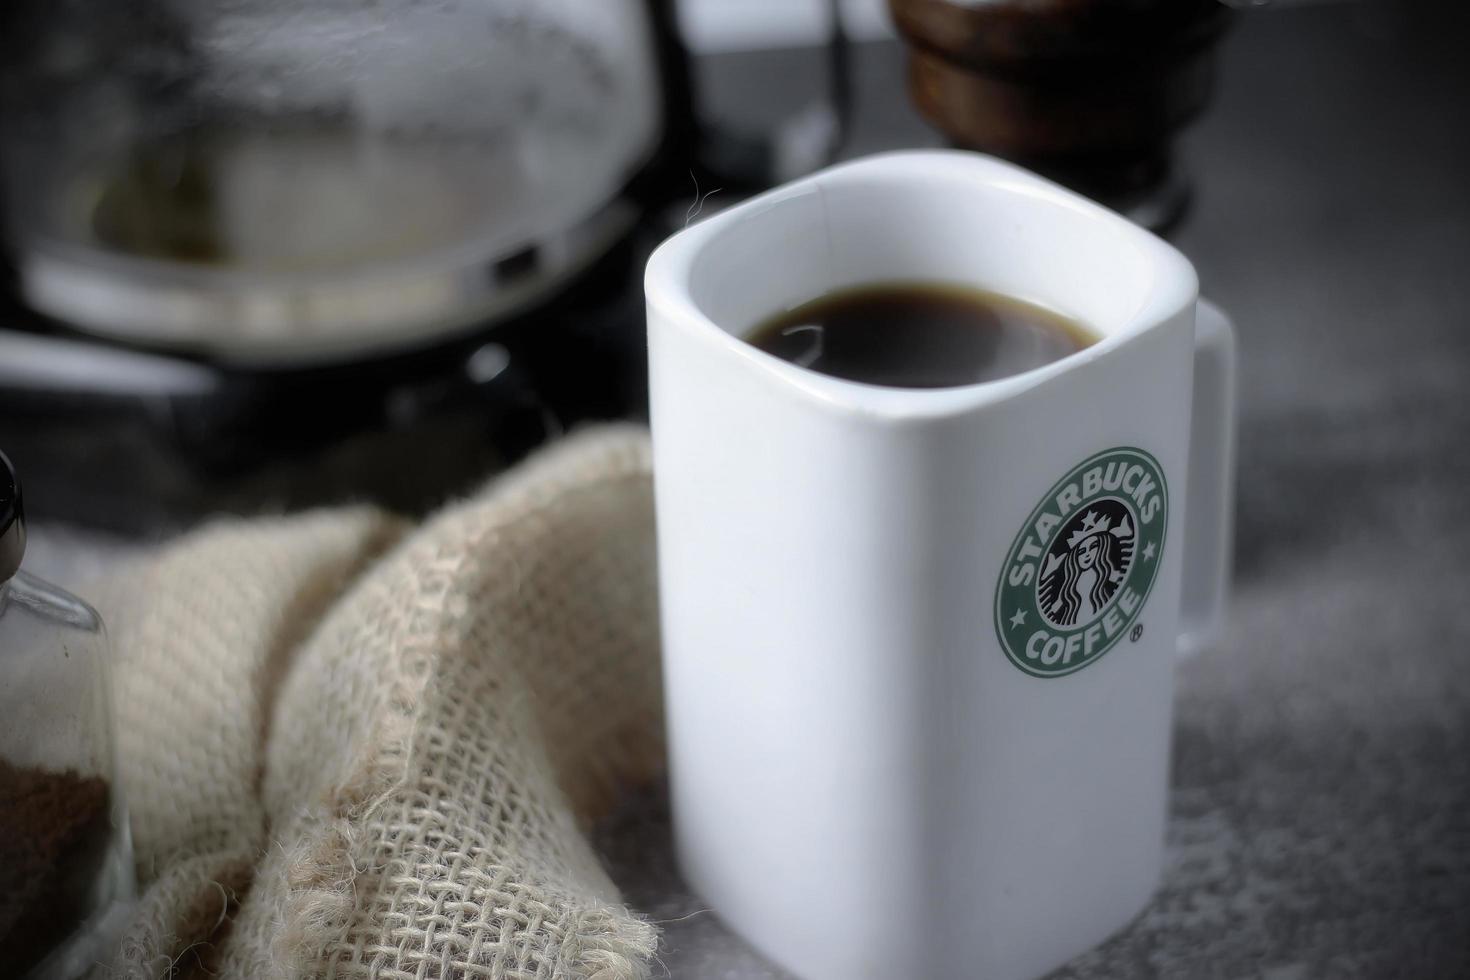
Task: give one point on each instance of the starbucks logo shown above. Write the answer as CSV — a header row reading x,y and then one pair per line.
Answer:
x,y
1082,565
1087,561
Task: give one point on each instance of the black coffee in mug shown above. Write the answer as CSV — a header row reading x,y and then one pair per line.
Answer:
x,y
919,335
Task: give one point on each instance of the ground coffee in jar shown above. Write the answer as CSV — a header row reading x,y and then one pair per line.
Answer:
x,y
54,834
66,863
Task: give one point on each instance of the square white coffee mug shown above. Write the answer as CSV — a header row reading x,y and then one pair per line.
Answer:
x,y
919,643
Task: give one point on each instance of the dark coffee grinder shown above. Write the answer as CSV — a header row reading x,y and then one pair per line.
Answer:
x,y
1088,92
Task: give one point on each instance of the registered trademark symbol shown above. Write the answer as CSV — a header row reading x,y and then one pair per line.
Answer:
x,y
1137,633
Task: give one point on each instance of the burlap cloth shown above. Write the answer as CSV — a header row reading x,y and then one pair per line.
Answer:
x,y
357,748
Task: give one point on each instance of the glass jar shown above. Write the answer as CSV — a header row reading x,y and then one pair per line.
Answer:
x,y
66,867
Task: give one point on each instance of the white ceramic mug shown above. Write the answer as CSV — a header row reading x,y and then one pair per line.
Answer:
x,y
910,733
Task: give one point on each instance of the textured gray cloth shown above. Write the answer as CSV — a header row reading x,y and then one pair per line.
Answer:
x,y
357,748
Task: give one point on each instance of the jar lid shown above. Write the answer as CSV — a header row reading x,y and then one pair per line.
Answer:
x,y
12,521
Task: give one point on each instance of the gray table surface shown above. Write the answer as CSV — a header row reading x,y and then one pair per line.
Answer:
x,y
1320,815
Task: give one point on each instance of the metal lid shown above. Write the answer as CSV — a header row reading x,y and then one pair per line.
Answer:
x,y
12,521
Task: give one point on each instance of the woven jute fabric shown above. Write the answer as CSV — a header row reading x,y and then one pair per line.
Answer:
x,y
358,749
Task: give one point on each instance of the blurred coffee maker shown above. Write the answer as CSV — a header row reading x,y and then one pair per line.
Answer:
x,y
264,252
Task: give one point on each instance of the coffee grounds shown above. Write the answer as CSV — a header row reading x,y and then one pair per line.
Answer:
x,y
54,831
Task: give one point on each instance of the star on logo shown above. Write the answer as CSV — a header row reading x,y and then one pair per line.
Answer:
x,y
1148,551
1018,618
1091,524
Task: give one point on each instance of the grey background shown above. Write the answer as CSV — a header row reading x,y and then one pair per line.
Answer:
x,y
1320,817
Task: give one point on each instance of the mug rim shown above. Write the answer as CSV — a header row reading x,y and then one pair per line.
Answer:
x,y
1172,288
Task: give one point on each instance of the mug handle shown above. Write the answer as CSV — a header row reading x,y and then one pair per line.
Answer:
x,y
1210,511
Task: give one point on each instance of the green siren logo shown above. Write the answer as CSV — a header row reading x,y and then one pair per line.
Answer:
x,y
1081,568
